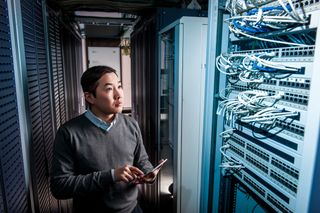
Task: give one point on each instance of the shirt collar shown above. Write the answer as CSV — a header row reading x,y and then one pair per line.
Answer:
x,y
99,122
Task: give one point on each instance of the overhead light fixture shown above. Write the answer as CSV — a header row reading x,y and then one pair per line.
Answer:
x,y
125,46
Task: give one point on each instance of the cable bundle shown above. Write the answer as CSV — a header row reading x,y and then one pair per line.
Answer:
x,y
238,6
266,19
253,107
253,68
268,116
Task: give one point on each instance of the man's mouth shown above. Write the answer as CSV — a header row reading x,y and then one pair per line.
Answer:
x,y
118,104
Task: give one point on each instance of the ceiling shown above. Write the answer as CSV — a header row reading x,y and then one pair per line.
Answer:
x,y
109,19
125,6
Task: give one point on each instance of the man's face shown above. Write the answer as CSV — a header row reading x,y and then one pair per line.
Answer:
x,y
109,96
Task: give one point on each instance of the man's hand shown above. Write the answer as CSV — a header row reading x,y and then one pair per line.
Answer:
x,y
148,178
127,173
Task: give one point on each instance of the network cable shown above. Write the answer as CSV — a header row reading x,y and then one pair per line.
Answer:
x,y
238,6
253,68
268,130
268,19
229,163
253,107
268,116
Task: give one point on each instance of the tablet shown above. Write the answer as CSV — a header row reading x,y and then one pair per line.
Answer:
x,y
159,165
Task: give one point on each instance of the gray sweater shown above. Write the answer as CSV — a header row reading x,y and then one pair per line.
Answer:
x,y
83,158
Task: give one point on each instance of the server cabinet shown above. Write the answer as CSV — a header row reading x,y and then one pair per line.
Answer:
x,y
13,190
182,61
266,140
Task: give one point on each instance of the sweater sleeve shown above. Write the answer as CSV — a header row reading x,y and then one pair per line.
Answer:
x,y
141,156
64,182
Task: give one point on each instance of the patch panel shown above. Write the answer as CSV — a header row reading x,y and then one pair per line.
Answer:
x,y
303,52
303,82
240,88
291,127
296,84
300,71
295,98
280,130
279,201
297,51
270,81
285,168
237,150
259,189
261,136
284,52
284,182
268,152
257,164
299,85
237,141
307,5
258,152
277,204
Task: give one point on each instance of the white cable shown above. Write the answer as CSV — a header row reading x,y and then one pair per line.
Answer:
x,y
250,102
268,116
225,63
220,65
226,133
243,77
221,105
231,165
229,158
224,90
222,151
275,65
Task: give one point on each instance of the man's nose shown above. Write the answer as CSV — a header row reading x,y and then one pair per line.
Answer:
x,y
117,94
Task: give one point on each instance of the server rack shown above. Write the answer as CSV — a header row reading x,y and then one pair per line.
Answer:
x,y
13,190
182,60
145,96
274,160
33,74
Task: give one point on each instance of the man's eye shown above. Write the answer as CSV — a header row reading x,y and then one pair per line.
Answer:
x,y
108,88
120,87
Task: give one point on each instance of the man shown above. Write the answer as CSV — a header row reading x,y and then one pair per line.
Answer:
x,y
99,156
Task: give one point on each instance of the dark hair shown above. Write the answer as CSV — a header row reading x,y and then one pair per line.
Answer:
x,y
89,79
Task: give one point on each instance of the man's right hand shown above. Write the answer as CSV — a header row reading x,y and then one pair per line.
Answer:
x,y
127,173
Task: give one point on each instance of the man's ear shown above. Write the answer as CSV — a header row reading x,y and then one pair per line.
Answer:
x,y
89,97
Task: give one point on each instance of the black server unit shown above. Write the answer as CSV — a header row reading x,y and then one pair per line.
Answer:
x,y
13,191
38,105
